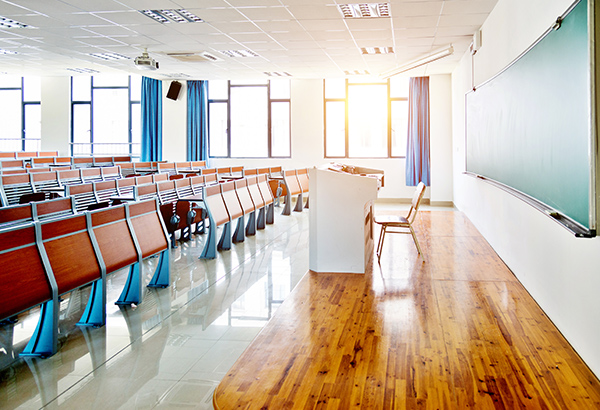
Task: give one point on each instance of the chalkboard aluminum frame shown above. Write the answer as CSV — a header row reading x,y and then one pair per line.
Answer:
x,y
594,95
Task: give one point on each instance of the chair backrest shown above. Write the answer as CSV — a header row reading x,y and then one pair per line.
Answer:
x,y
276,172
43,180
47,153
250,172
197,183
416,201
147,191
150,232
15,186
160,177
70,252
125,186
82,162
42,161
26,154
213,200
123,158
166,167
208,171
291,182
302,175
54,208
257,198
15,215
166,192
183,166
113,172
102,161
210,179
13,163
84,195
143,180
184,187
69,177
234,208
262,171
265,189
198,164
127,168
113,237
105,189
63,161
91,174
23,279
241,189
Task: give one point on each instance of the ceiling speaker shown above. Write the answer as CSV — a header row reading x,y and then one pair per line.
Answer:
x,y
174,90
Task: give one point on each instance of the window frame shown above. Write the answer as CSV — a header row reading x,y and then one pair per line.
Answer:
x,y
24,103
269,136
90,103
345,100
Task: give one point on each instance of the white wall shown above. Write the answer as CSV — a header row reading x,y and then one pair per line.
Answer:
x,y
559,270
56,114
174,124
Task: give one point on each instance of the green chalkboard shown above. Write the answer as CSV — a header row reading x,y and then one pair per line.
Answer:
x,y
529,127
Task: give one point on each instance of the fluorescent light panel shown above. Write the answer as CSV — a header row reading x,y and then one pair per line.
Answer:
x,y
9,23
357,72
364,10
172,15
4,52
110,56
277,74
418,63
377,50
83,70
238,53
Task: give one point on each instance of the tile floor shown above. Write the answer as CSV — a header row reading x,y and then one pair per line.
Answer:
x,y
172,350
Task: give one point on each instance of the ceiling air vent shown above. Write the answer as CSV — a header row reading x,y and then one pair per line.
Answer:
x,y
238,53
364,10
191,57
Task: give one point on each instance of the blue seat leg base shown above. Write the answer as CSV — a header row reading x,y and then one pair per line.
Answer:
x,y
251,225
239,234
95,310
225,241
44,341
287,208
260,220
160,279
210,247
132,292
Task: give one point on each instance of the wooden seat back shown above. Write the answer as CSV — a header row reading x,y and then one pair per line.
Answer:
x,y
198,164
40,169
150,232
27,154
166,167
113,237
143,180
17,214
197,183
47,153
291,182
302,175
82,162
183,166
113,172
83,194
213,200
143,167
23,279
160,177
43,180
265,189
262,171
210,179
184,187
121,158
255,194
167,192
91,174
241,189
208,171
105,189
127,168
69,177
102,161
276,172
234,208
125,186
70,252
42,161
237,171
143,192
53,208
250,172
13,163
67,161
13,187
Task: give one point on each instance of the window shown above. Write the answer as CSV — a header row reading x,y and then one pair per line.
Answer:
x,y
106,115
366,120
20,113
249,120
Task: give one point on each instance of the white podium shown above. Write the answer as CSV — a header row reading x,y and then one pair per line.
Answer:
x,y
340,221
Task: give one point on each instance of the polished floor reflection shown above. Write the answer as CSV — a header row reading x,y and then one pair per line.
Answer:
x,y
173,349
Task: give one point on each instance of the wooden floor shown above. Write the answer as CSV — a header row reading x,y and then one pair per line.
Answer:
x,y
458,331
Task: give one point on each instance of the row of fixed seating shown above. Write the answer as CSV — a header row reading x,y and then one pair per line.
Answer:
x,y
227,202
35,211
28,154
14,187
295,184
141,168
45,259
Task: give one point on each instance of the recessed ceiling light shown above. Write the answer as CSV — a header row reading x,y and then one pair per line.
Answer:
x,y
357,72
110,56
83,70
364,10
377,50
238,53
177,75
7,52
9,23
277,74
169,15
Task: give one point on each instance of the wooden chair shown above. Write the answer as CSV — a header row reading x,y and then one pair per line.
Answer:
x,y
257,199
267,194
401,222
53,208
217,216
83,194
91,174
110,173
241,189
105,190
235,210
302,175
293,188
102,161
167,197
13,187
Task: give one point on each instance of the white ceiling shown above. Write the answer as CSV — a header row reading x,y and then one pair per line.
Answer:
x,y
305,38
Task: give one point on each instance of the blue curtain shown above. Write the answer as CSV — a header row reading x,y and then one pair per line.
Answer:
x,y
197,120
417,147
151,119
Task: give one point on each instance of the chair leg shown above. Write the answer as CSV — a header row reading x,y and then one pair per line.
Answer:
x,y
415,239
380,242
